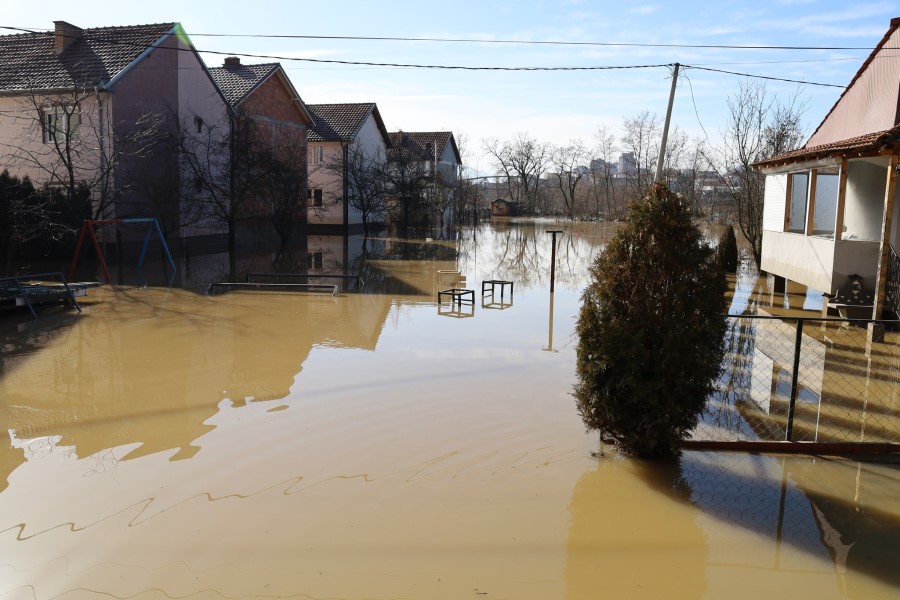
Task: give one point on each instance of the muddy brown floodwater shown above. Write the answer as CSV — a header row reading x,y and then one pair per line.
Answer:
x,y
169,444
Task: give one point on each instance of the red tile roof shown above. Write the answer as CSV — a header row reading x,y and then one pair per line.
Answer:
x,y
439,139
237,81
406,147
863,144
873,105
338,122
29,61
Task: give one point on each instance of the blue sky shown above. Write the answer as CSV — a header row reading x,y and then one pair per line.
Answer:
x,y
551,106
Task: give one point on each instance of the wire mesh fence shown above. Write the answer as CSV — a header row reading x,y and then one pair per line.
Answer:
x,y
806,380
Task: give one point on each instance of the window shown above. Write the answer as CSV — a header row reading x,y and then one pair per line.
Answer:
x,y
812,201
316,154
798,186
59,123
824,205
314,197
198,123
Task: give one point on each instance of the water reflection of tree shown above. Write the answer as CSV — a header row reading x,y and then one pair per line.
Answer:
x,y
633,534
522,252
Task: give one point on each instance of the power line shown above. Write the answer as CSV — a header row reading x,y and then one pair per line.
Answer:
x,y
764,77
525,42
457,67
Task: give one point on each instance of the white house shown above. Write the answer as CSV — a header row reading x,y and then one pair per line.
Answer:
x,y
338,130
830,207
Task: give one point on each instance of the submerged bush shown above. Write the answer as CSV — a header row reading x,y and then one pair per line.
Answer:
x,y
651,330
727,251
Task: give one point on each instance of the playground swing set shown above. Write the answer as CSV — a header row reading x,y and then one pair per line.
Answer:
x,y
88,230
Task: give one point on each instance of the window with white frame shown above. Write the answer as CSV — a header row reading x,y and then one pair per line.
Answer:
x,y
60,123
798,190
316,154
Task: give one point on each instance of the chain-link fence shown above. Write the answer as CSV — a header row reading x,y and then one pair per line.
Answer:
x,y
806,380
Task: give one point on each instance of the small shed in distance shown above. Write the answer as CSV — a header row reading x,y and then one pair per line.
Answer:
x,y
503,208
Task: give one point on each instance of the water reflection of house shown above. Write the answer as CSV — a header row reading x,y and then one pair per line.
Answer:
x,y
847,392
98,387
830,207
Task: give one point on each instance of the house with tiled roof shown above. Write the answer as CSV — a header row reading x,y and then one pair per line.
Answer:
x,y
830,207
262,97
439,150
436,159
89,106
339,131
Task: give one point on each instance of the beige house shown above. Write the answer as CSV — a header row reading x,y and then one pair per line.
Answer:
x,y
338,132
830,207
88,106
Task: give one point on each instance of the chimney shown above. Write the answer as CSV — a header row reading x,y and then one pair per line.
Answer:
x,y
232,61
64,35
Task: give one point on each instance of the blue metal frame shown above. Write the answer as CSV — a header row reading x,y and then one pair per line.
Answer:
x,y
154,224
18,279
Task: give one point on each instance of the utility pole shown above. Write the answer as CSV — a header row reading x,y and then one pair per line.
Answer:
x,y
665,133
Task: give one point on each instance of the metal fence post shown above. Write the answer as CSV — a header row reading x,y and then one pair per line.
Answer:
x,y
789,430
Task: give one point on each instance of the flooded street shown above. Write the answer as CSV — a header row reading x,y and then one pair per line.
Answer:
x,y
378,445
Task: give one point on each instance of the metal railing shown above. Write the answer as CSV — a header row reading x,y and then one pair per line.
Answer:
x,y
892,282
817,381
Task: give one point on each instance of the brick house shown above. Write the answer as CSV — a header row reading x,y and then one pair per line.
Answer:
x,y
262,97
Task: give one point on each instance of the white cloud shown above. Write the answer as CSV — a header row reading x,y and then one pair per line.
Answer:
x,y
644,10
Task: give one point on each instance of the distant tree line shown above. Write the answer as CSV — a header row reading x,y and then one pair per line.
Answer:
x,y
599,180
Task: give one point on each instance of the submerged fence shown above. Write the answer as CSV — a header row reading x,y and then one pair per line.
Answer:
x,y
822,382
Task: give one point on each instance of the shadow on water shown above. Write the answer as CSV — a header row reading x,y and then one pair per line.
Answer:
x,y
626,543
809,515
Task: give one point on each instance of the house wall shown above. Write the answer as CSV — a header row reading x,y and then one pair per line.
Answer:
x,y
148,91
199,97
855,257
279,120
864,200
331,183
805,259
447,165
22,150
370,141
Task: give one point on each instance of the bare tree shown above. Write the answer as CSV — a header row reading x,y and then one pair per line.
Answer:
x,y
71,143
406,183
758,127
603,189
236,172
364,173
569,170
521,162
642,136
